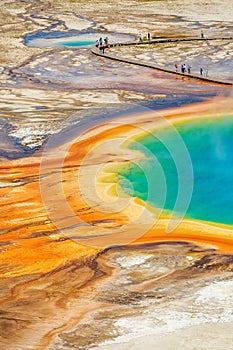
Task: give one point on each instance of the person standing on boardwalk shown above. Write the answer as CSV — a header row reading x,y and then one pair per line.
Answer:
x,y
202,34
101,47
183,68
189,69
176,67
148,36
106,41
201,70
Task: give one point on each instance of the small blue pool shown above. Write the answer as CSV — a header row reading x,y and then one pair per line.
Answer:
x,y
72,38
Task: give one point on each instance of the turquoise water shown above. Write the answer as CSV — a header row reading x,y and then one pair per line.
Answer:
x,y
187,169
78,43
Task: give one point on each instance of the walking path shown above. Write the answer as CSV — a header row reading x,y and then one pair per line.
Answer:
x,y
154,66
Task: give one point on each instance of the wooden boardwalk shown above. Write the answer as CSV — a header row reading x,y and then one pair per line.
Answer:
x,y
96,52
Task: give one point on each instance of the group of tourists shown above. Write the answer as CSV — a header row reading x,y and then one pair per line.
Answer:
x,y
140,39
183,68
101,43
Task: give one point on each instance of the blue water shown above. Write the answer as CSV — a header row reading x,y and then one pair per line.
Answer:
x,y
187,169
47,38
77,43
